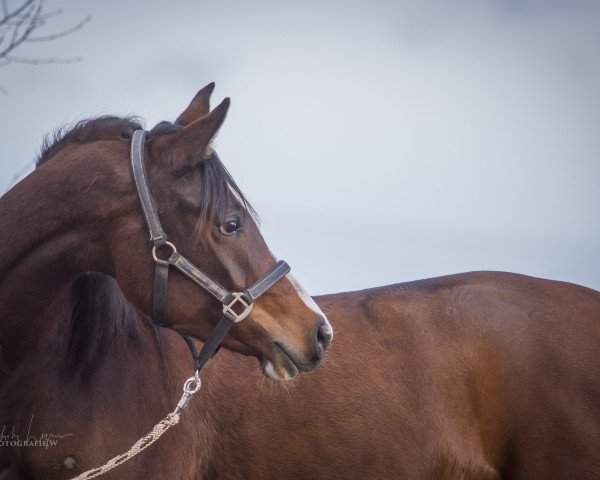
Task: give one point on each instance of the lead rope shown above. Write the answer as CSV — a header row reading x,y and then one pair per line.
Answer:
x,y
190,387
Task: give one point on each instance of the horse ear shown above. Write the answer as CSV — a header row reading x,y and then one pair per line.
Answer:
x,y
198,107
190,143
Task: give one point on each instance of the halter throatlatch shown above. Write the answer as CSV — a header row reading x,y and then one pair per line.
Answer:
x,y
236,305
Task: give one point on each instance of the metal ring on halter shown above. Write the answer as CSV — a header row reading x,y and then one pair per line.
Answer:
x,y
190,387
196,381
166,244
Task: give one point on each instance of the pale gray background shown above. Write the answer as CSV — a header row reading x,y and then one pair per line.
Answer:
x,y
379,141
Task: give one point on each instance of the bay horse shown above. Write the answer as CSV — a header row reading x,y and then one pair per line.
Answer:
x,y
482,375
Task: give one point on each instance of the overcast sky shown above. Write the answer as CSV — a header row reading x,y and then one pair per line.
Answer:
x,y
379,141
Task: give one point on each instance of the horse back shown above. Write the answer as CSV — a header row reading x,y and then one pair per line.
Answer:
x,y
495,372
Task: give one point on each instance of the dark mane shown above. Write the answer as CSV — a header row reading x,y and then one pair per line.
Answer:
x,y
101,321
101,318
86,131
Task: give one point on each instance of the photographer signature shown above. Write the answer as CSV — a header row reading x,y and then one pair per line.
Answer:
x,y
10,438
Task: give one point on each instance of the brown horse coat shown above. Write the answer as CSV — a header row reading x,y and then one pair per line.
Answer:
x,y
475,376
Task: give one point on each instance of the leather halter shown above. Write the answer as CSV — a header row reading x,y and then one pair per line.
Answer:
x,y
158,237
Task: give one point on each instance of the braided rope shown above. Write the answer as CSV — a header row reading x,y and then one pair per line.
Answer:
x,y
161,427
191,386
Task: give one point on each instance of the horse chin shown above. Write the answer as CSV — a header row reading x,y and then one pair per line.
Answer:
x,y
279,363
281,373
280,366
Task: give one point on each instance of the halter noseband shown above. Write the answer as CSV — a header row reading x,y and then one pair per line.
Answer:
x,y
158,237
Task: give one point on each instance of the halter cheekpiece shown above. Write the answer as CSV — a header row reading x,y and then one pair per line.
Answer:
x,y
236,305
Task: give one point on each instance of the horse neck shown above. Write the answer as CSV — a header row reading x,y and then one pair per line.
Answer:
x,y
46,240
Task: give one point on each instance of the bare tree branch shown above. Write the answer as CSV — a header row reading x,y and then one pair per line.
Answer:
x,y
64,33
41,61
55,13
9,16
19,37
18,26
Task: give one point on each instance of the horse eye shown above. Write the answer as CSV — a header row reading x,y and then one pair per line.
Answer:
x,y
230,226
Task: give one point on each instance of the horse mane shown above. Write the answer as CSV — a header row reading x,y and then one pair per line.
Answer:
x,y
106,127
101,318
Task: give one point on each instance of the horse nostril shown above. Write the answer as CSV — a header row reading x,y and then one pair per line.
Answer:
x,y
324,335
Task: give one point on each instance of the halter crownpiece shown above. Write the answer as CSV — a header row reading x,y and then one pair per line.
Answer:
x,y
239,300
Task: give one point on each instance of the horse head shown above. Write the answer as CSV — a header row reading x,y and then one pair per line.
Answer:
x,y
206,215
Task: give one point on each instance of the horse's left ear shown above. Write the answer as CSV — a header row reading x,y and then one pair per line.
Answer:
x,y
198,107
189,145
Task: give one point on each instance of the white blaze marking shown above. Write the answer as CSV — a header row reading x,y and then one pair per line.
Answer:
x,y
236,195
309,302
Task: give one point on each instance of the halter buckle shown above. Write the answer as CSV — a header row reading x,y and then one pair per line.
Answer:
x,y
238,297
